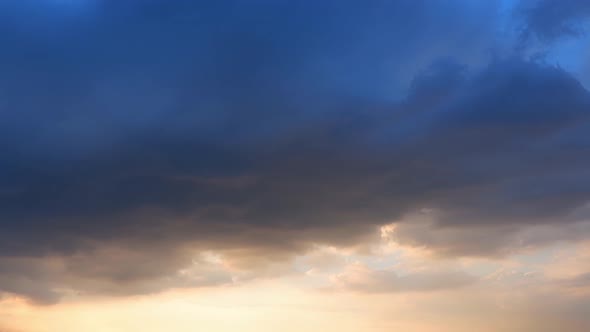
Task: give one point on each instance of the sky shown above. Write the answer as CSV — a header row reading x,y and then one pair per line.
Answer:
x,y
294,165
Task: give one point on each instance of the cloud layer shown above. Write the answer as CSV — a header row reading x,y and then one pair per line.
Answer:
x,y
137,135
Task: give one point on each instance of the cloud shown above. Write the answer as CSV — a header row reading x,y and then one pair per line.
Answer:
x,y
112,271
474,154
138,135
580,281
358,277
491,164
549,20
424,230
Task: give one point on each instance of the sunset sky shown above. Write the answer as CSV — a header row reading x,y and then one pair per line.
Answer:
x,y
294,165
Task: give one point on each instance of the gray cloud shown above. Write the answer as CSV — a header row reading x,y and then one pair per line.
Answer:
x,y
112,271
483,240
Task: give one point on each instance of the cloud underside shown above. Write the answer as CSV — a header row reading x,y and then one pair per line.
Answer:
x,y
147,137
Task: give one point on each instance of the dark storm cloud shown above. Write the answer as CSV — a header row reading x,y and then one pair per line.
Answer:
x,y
256,129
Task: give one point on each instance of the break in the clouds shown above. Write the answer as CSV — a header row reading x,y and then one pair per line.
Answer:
x,y
138,135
